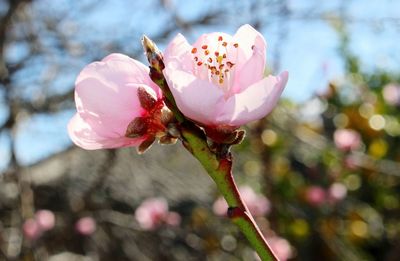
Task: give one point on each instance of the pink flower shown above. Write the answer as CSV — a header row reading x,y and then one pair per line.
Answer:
x,y
45,219
31,229
86,226
153,212
281,247
118,105
219,80
258,205
315,195
391,93
347,139
337,192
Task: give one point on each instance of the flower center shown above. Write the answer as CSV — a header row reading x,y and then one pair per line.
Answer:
x,y
214,64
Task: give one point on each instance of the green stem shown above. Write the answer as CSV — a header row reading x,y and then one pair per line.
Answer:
x,y
220,170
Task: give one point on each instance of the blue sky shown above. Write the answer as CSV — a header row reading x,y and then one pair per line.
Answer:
x,y
304,44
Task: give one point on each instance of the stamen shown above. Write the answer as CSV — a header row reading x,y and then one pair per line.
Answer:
x,y
230,64
194,50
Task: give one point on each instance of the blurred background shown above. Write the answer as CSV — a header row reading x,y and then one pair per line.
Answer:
x,y
321,173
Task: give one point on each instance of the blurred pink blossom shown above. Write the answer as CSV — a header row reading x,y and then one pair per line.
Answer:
x,y
31,229
281,247
107,102
347,139
258,204
391,93
153,212
315,195
45,219
337,192
219,80
86,226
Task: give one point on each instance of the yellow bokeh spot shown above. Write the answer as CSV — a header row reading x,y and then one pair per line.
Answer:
x,y
378,148
341,120
300,228
269,137
252,168
359,228
352,182
366,110
377,122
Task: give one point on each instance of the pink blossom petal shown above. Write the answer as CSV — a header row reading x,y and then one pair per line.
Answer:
x,y
253,70
247,37
118,69
82,134
254,103
197,98
178,54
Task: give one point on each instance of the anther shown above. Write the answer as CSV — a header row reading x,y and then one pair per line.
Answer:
x,y
209,60
194,50
236,45
204,47
196,58
224,44
220,38
206,52
199,63
216,54
230,64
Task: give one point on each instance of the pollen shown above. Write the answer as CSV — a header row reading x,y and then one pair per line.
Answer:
x,y
194,50
219,59
221,81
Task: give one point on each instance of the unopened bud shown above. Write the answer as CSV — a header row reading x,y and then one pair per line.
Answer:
x,y
152,52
